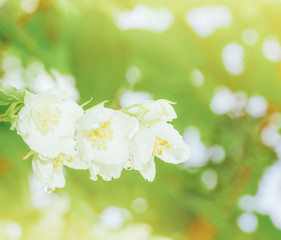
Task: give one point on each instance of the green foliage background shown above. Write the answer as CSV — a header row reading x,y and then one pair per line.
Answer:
x,y
84,41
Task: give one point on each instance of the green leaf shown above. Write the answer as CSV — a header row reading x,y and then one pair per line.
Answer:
x,y
9,95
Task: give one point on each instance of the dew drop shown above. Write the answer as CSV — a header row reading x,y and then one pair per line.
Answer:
x,y
49,189
106,178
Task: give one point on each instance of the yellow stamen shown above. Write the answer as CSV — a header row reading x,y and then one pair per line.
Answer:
x,y
159,146
101,135
46,118
69,159
60,159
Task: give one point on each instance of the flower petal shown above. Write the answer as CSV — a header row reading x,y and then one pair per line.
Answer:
x,y
58,179
76,163
141,147
149,171
47,174
43,170
167,111
59,115
115,153
153,111
70,113
107,172
160,110
109,144
125,124
94,116
178,151
94,171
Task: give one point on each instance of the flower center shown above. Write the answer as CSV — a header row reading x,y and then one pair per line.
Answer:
x,y
159,146
101,135
46,118
60,159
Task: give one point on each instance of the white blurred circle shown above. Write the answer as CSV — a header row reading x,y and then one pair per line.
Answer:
x,y
145,18
217,153
250,36
139,205
233,58
129,98
198,150
240,103
114,217
13,231
2,2
133,74
271,49
257,106
223,101
197,78
247,222
247,203
29,6
207,19
209,179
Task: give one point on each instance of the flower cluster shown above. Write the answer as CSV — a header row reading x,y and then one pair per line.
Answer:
x,y
105,141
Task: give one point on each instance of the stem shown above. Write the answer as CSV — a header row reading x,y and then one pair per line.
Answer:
x,y
129,107
2,117
9,115
128,113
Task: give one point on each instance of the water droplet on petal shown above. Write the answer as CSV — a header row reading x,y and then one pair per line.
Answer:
x,y
49,189
106,178
94,178
13,127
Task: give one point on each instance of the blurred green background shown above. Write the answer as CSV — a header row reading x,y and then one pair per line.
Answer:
x,y
219,60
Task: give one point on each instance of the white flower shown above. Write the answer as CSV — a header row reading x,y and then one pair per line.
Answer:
x,y
47,122
103,138
153,111
49,171
160,140
155,137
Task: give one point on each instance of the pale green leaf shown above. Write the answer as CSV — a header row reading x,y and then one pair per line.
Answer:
x,y
9,95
